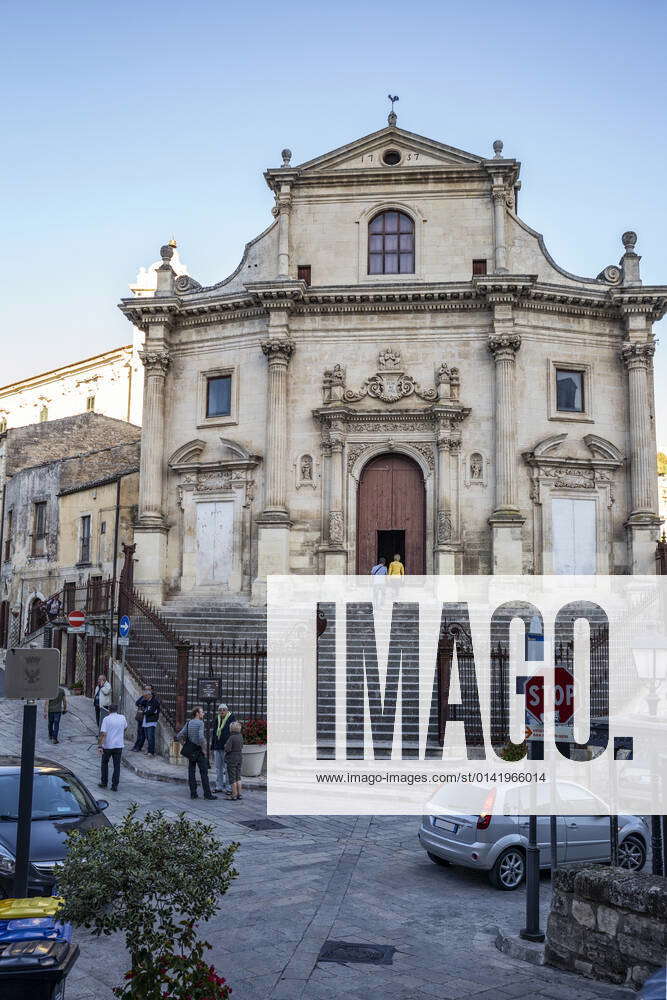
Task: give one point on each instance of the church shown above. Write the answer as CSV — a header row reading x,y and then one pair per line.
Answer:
x,y
397,365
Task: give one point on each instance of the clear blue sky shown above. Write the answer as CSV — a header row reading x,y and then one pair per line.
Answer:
x,y
126,123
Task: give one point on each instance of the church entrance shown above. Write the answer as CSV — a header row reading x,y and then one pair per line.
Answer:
x,y
391,514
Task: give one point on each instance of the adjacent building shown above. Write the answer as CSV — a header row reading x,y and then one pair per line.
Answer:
x,y
70,501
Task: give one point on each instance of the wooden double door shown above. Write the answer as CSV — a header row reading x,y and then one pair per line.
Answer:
x,y
391,514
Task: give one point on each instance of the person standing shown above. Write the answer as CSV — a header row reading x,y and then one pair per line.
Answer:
x,y
101,697
148,713
378,572
193,738
233,748
53,709
396,567
223,721
110,742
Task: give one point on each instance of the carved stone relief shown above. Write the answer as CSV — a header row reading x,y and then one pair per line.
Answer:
x,y
476,469
305,471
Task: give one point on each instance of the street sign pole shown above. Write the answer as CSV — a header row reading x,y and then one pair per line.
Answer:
x,y
123,639
25,800
532,930
122,680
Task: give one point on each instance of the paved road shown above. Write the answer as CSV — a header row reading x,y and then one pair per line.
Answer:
x,y
346,878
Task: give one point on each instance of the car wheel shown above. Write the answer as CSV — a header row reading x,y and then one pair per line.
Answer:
x,y
632,853
439,861
509,870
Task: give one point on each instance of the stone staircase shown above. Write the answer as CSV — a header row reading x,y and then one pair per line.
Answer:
x,y
202,618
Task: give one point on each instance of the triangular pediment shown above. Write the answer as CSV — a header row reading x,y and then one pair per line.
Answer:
x,y
415,151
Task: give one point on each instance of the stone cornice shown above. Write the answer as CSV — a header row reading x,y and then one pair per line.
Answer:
x,y
481,293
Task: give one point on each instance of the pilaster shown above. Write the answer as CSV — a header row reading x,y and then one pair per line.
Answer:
x,y
506,521
274,523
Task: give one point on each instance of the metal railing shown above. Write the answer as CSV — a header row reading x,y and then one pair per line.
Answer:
x,y
241,668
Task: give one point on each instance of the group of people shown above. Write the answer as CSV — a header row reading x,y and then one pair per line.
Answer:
x,y
226,743
226,738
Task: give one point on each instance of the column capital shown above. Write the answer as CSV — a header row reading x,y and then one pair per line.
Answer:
x,y
278,351
637,355
504,346
156,362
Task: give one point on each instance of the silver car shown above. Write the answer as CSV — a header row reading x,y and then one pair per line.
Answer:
x,y
497,843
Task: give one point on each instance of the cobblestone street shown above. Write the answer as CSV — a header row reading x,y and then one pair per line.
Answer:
x,y
351,879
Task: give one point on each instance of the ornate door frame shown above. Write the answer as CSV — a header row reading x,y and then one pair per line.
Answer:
x,y
357,425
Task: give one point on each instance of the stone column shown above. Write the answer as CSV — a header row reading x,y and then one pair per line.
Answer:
x,y
274,523
643,523
336,525
156,364
500,240
151,531
283,204
506,520
278,352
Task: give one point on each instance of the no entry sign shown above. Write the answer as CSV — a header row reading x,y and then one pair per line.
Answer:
x,y
76,619
563,696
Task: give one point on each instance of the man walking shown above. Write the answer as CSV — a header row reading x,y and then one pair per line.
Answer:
x,y
223,720
148,713
53,709
111,742
101,698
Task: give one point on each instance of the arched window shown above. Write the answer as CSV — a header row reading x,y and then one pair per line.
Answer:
x,y
391,244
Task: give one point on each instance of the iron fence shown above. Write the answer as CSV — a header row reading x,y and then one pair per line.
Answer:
x,y
241,670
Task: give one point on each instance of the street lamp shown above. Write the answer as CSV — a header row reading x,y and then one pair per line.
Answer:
x,y
653,670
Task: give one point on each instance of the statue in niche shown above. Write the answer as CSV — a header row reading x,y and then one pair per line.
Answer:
x,y
476,466
306,468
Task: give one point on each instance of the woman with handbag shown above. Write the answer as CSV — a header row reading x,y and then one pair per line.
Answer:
x,y
193,738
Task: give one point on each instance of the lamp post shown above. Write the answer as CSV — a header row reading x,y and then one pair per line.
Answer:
x,y
532,931
649,668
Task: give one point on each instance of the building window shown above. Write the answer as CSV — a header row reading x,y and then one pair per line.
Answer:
x,y
478,267
103,528
303,273
39,529
84,550
9,531
90,403
219,396
43,414
569,391
391,244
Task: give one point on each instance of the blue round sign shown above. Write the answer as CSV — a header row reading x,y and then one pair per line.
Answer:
x,y
124,626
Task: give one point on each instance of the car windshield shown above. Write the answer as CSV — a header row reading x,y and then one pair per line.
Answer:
x,y
54,796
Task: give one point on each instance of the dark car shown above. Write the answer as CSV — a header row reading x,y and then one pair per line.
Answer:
x,y
60,803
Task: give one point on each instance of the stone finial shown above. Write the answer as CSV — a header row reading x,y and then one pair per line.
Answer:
x,y
498,149
167,251
287,157
629,262
629,241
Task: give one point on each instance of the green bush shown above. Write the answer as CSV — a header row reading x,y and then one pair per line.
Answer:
x,y
152,878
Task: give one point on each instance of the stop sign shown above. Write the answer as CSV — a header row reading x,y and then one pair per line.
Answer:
x,y
76,619
563,696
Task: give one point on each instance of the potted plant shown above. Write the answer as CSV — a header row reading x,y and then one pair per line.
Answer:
x,y
254,747
154,878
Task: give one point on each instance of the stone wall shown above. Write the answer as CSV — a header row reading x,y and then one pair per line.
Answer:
x,y
608,924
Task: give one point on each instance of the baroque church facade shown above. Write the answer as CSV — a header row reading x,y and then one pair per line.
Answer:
x,y
396,365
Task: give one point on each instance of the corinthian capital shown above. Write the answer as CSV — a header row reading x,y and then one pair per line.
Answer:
x,y
155,362
637,355
504,346
278,351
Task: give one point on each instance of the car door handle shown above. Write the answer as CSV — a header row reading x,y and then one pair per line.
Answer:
x,y
573,826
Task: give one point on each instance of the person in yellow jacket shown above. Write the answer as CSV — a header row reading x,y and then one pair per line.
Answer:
x,y
396,567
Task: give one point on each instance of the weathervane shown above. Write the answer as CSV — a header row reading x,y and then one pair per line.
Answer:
x,y
392,117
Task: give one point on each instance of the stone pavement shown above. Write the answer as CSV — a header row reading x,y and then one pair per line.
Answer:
x,y
362,879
